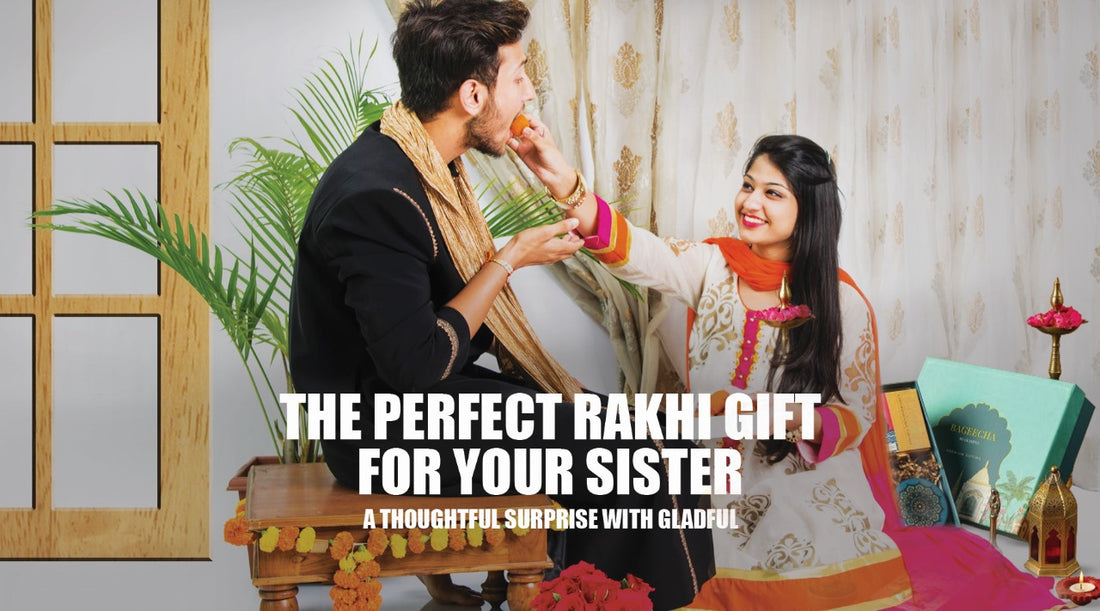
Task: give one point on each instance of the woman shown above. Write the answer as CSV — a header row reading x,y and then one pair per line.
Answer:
x,y
818,524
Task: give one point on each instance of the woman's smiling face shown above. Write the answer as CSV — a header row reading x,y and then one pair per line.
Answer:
x,y
766,211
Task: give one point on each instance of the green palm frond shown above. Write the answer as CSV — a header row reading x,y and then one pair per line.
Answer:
x,y
238,296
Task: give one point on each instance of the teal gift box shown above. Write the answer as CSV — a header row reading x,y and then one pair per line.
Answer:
x,y
1003,430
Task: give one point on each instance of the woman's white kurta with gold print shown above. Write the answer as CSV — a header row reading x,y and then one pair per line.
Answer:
x,y
813,513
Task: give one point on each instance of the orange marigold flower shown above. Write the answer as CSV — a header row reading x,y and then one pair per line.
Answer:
x,y
236,531
345,579
398,546
369,589
362,554
416,540
495,536
269,539
287,537
342,596
368,570
475,536
377,541
341,545
456,539
439,539
240,507
343,607
306,539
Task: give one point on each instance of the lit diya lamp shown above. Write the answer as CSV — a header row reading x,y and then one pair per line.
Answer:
x,y
1081,589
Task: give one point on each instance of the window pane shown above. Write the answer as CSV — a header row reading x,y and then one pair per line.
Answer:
x,y
105,411
105,60
16,203
16,411
16,55
90,264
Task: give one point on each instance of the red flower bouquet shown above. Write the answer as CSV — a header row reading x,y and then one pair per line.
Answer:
x,y
583,587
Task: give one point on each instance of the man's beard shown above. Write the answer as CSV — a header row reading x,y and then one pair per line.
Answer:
x,y
478,132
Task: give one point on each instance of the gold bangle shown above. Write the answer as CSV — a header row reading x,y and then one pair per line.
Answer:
x,y
574,199
506,265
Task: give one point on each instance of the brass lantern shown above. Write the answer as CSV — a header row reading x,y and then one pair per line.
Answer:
x,y
1050,529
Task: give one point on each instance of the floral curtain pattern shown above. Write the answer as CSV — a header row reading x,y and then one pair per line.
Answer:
x,y
966,135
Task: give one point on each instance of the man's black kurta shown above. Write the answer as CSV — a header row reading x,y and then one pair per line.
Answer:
x,y
367,316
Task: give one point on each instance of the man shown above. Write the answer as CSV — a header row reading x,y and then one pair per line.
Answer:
x,y
393,292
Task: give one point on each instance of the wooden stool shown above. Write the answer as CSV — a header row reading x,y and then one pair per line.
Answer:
x,y
307,495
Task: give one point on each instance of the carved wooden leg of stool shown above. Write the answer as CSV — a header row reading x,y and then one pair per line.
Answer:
x,y
494,589
279,598
523,586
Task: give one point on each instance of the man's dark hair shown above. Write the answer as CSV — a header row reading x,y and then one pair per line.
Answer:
x,y
440,44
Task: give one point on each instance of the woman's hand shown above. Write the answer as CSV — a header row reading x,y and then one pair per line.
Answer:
x,y
537,149
542,245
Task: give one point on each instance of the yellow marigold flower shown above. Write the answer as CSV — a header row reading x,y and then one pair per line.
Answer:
x,y
345,579
521,531
240,507
398,546
341,545
377,541
439,538
287,537
494,536
475,536
348,563
269,539
416,540
362,554
368,570
306,539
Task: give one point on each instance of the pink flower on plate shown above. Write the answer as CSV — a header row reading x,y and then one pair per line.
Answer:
x,y
786,314
1061,317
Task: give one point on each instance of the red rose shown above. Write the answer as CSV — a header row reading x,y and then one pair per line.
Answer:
x,y
630,600
580,568
574,602
564,587
597,588
636,583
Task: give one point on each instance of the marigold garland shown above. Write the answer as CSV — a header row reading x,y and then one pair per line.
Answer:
x,y
356,580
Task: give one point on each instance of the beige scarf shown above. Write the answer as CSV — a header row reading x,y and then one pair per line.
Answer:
x,y
468,240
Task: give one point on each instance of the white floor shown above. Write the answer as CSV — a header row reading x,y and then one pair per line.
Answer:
x,y
407,593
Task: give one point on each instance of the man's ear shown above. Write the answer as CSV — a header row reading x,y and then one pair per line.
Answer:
x,y
472,96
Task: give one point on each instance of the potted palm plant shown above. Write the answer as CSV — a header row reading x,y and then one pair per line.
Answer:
x,y
249,291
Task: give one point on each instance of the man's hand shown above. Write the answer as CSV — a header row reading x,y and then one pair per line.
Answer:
x,y
542,245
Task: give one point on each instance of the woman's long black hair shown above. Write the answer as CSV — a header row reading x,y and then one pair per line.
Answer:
x,y
811,360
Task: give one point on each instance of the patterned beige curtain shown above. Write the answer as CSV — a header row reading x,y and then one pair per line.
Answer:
x,y
967,135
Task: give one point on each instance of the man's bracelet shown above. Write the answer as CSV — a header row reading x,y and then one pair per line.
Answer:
x,y
506,265
574,199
